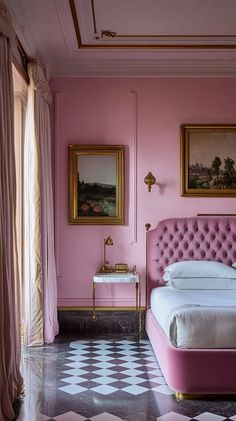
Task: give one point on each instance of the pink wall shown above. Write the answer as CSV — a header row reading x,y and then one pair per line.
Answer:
x,y
145,115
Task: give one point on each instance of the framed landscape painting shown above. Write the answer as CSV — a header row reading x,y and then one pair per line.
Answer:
x,y
96,184
208,160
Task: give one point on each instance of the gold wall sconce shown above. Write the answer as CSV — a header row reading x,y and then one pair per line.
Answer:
x,y
105,268
149,180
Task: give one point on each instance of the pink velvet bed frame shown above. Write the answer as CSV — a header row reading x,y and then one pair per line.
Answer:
x,y
191,371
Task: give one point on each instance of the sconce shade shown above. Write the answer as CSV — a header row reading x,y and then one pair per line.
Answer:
x,y
108,241
149,180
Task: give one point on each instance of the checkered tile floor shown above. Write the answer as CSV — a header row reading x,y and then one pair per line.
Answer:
x,y
106,380
106,367
105,416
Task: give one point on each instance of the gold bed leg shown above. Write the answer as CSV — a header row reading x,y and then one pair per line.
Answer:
x,y
180,396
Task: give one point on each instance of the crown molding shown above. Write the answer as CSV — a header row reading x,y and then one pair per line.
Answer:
x,y
142,68
65,20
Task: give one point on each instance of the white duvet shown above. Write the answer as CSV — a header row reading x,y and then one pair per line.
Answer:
x,y
196,318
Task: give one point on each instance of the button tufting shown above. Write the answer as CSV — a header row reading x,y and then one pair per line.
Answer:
x,y
201,240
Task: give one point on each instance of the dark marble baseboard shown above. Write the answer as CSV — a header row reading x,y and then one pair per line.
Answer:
x,y
77,321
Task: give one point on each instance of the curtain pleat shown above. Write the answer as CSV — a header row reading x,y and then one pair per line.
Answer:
x,y
32,278
43,134
11,382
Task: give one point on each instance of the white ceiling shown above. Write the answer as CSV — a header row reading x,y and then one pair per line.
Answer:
x,y
129,37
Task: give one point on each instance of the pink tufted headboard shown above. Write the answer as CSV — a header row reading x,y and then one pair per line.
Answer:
x,y
196,238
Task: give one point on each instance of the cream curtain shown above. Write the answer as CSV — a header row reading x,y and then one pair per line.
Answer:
x,y
32,278
40,313
10,377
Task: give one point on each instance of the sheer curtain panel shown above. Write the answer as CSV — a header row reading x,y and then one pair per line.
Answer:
x,y
40,270
10,378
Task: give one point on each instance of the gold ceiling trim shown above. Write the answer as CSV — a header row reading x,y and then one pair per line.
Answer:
x,y
76,23
147,46
94,18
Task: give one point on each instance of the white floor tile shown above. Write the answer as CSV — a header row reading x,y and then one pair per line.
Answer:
x,y
128,358
103,346
103,352
103,364
127,352
131,365
135,389
133,380
159,380
76,364
163,389
105,380
173,416
69,416
208,416
75,372
103,358
81,351
153,365
103,372
73,389
156,372
104,389
131,372
105,417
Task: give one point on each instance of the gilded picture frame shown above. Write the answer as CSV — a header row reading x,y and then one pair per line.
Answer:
x,y
208,160
96,184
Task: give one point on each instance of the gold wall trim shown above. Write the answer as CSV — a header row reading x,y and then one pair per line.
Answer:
x,y
68,308
147,46
172,36
76,23
94,18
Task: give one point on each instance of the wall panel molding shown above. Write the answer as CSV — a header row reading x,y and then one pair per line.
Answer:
x,y
57,181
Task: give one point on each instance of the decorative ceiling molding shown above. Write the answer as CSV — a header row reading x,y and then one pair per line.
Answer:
x,y
46,29
142,68
90,34
64,15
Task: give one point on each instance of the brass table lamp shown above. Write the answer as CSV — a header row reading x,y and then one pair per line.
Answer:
x,y
105,268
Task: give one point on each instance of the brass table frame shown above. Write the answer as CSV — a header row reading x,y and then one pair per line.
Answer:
x,y
137,294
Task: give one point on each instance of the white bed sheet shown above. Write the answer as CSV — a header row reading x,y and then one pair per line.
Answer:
x,y
196,318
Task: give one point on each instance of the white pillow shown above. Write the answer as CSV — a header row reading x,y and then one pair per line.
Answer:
x,y
234,265
202,283
199,269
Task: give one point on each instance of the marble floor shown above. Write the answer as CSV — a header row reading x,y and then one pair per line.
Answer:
x,y
105,378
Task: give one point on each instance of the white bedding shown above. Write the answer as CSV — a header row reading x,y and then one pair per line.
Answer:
x,y
196,318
